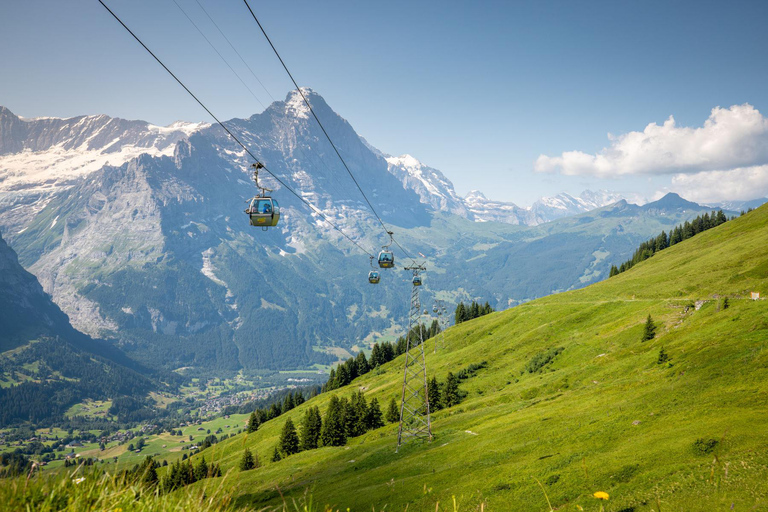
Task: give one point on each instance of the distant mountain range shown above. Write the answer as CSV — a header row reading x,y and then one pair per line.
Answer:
x,y
139,235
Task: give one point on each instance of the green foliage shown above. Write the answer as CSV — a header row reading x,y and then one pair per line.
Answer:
x,y
374,419
435,397
451,394
471,311
677,235
663,356
311,427
333,431
393,413
276,457
247,461
649,331
289,439
704,446
542,359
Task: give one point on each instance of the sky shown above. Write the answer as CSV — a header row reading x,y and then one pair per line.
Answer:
x,y
516,99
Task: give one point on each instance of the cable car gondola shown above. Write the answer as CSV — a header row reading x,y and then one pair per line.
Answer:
x,y
387,257
416,280
263,211
373,277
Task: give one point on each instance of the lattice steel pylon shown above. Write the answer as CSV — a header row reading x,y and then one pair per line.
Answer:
x,y
414,405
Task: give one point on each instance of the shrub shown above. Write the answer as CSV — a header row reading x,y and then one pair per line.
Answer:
x,y
542,359
704,446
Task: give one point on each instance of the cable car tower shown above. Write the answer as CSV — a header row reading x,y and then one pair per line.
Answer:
x,y
414,405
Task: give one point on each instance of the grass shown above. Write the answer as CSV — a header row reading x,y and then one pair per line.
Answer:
x,y
600,415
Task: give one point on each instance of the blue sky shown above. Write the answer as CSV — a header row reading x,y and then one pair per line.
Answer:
x,y
479,90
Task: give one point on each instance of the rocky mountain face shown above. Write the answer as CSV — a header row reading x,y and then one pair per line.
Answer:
x,y
46,365
26,311
146,242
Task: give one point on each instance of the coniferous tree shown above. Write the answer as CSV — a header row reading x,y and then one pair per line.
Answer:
x,y
276,455
253,422
393,413
148,472
288,402
289,440
361,363
247,462
332,432
614,271
461,313
376,356
451,391
374,419
433,391
650,329
474,311
298,398
355,415
201,469
663,356
311,427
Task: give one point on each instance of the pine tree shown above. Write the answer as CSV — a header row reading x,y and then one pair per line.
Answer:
x,y
201,470
374,418
247,462
288,402
474,310
148,472
451,391
461,313
393,414
310,429
289,440
361,363
253,423
614,271
332,432
276,455
433,392
376,356
663,356
650,329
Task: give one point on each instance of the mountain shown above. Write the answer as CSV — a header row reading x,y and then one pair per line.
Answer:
x,y
563,395
145,242
543,210
46,365
739,206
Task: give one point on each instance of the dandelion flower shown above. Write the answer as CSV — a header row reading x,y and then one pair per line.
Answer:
x,y
601,495
79,480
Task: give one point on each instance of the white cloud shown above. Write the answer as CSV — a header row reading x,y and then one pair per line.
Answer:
x,y
736,137
741,184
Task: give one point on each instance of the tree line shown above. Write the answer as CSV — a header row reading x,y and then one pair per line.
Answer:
x,y
681,232
471,311
381,353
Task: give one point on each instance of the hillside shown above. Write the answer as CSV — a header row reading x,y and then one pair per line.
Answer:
x,y
138,234
601,416
45,365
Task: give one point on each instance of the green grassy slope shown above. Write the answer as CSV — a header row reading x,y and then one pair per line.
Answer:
x,y
603,416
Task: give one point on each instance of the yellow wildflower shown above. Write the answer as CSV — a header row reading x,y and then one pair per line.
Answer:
x,y
601,495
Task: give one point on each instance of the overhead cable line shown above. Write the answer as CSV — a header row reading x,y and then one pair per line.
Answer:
x,y
219,54
235,50
386,229
234,137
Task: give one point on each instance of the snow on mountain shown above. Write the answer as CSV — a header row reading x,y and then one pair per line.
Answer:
x,y
432,186
40,155
544,210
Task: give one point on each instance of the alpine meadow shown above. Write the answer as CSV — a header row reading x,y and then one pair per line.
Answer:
x,y
223,291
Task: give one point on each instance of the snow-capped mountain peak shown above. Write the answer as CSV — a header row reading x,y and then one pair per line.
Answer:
x,y
432,186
